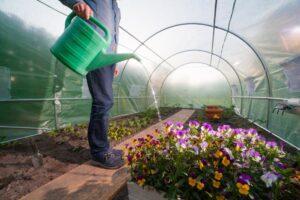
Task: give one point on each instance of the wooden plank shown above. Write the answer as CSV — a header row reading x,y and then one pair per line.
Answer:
x,y
87,182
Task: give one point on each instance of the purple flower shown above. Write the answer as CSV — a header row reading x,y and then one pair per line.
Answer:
x,y
254,154
183,143
195,149
281,165
206,126
260,138
223,128
149,136
240,144
193,175
269,178
180,133
271,145
140,177
129,158
154,142
228,153
179,126
194,124
252,131
244,179
165,151
170,132
204,145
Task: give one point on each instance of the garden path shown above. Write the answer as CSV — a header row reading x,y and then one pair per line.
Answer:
x,y
89,182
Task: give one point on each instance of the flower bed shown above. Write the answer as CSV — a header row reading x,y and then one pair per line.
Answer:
x,y
198,162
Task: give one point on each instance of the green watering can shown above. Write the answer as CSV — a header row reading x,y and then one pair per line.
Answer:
x,y
82,49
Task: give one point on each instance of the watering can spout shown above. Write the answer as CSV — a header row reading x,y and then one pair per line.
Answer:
x,y
104,59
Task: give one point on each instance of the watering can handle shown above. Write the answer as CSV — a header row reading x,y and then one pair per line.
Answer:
x,y
107,36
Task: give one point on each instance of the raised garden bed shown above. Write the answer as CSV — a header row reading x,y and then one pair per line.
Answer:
x,y
200,162
269,168
22,170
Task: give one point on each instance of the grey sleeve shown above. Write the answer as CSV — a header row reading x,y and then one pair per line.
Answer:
x,y
70,3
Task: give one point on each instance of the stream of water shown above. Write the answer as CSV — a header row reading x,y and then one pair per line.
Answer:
x,y
152,91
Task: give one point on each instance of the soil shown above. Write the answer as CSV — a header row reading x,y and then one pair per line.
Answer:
x,y
30,163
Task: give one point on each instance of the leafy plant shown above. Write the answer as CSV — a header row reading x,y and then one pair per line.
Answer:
x,y
69,129
53,133
202,163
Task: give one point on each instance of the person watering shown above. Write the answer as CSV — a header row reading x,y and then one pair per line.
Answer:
x,y
100,82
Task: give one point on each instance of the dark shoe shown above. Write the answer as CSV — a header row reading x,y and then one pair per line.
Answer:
x,y
117,152
108,160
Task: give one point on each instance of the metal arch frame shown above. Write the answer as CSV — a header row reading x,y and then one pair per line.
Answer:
x,y
180,66
264,65
204,51
208,25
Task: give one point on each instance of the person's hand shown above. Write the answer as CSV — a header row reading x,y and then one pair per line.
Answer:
x,y
83,10
116,72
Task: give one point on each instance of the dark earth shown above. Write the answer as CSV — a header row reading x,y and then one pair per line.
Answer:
x,y
30,163
27,164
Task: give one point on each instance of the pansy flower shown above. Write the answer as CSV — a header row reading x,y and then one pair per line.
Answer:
x,y
243,184
140,180
218,175
206,127
179,126
216,183
269,178
200,184
194,124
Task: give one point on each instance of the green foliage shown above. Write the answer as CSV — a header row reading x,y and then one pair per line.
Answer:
x,y
53,133
223,164
69,129
227,112
150,113
200,115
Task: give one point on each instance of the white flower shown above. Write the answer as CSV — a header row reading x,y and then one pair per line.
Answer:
x,y
229,152
269,178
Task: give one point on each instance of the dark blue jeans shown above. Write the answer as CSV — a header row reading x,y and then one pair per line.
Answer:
x,y
100,86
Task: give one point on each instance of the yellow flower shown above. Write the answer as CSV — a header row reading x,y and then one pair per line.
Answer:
x,y
237,148
218,175
239,185
134,158
218,154
192,181
201,165
152,171
243,188
297,177
220,197
215,163
141,182
216,184
225,161
200,185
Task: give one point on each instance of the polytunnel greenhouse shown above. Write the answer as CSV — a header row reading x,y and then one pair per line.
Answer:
x,y
240,57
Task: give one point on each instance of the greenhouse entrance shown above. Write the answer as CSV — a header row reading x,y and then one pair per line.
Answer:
x,y
229,68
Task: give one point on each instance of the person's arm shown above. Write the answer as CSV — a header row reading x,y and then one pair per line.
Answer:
x,y
79,7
